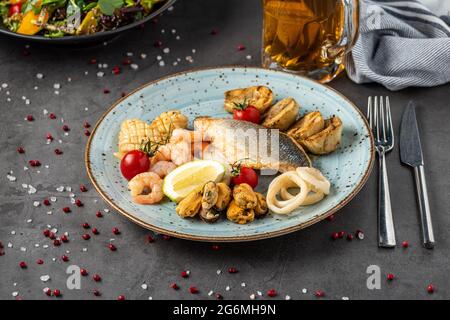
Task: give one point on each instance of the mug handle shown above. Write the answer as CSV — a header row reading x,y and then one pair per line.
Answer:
x,y
350,30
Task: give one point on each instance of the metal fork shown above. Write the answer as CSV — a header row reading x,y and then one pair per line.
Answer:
x,y
380,121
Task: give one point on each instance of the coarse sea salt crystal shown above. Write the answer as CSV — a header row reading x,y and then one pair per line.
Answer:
x,y
53,199
56,86
23,249
243,284
60,189
39,76
31,189
162,63
15,294
134,66
10,245
259,293
218,271
144,286
345,298
13,232
252,296
100,74
45,278
304,290
36,203
227,288
166,50
11,178
29,220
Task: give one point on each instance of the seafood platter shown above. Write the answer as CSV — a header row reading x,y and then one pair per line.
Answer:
x,y
230,154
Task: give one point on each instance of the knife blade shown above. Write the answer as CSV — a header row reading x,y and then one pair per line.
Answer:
x,y
411,154
410,146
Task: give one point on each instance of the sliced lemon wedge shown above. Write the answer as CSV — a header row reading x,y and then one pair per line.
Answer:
x,y
191,176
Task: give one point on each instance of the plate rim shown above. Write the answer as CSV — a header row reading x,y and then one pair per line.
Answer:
x,y
244,238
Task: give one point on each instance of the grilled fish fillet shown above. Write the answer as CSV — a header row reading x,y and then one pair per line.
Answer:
x,y
252,145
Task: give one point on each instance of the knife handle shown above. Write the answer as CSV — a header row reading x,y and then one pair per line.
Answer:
x,y
425,214
386,232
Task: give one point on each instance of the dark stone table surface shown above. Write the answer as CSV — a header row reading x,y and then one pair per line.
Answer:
x,y
73,91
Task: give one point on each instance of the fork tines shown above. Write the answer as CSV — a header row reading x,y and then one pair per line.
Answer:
x,y
380,121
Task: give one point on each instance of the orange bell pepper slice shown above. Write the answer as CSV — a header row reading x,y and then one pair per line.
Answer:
x,y
32,22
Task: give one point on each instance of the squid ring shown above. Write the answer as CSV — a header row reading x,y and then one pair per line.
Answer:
x,y
285,207
315,178
312,184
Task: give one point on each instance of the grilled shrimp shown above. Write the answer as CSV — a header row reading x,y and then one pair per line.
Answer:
x,y
163,154
146,188
163,168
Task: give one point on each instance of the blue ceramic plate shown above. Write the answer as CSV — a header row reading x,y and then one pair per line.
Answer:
x,y
201,92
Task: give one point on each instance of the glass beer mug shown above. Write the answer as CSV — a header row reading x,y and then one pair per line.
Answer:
x,y
309,37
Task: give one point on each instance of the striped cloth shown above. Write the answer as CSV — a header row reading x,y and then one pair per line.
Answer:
x,y
401,44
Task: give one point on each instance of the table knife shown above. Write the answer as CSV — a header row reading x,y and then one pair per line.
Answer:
x,y
411,155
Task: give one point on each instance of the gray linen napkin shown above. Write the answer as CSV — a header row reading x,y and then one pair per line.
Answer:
x,y
401,44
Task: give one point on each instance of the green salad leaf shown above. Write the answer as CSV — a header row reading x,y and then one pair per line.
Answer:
x,y
108,7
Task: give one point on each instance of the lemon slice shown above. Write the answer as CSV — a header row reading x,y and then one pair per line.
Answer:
x,y
191,176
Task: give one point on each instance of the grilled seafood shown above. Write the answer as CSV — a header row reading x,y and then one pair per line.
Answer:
x,y
134,132
327,140
168,121
307,126
282,115
210,195
312,184
251,144
244,196
239,215
162,168
261,208
190,206
146,188
259,96
224,196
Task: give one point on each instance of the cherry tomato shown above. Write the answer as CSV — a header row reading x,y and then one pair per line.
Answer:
x,y
133,163
248,113
246,175
15,8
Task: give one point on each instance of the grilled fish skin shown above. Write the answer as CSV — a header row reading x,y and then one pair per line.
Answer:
x,y
244,142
